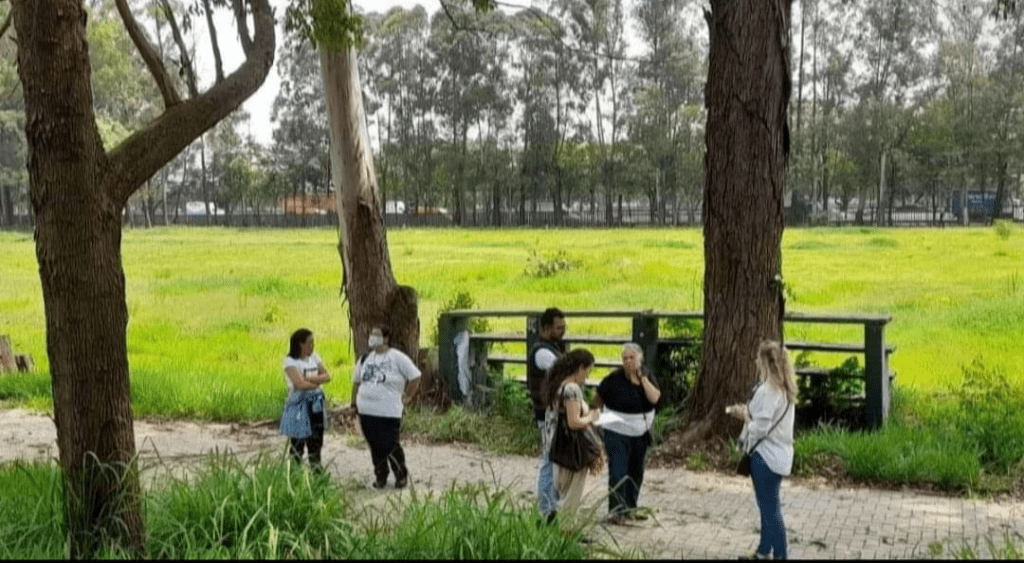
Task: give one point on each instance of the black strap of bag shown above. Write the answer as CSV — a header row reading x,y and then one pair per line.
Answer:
x,y
744,467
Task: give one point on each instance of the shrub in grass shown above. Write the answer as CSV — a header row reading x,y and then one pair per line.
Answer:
x,y
990,415
897,454
506,426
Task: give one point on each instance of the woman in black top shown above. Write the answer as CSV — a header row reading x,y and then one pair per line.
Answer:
x,y
628,396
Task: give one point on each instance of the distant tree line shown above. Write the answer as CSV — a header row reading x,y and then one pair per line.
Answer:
x,y
590,112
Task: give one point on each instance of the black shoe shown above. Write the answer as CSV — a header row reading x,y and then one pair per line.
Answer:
x,y
402,482
551,516
378,484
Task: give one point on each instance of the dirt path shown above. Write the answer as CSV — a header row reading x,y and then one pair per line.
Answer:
x,y
695,514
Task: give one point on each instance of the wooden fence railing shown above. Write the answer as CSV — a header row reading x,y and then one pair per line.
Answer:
x,y
453,331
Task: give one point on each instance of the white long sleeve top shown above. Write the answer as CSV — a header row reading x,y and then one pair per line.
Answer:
x,y
766,407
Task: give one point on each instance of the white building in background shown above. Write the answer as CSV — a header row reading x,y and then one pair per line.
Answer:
x,y
198,208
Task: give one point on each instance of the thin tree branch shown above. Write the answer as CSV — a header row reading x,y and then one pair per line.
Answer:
x,y
149,55
7,23
218,65
243,27
143,154
186,62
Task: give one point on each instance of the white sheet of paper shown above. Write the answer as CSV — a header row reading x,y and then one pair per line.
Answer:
x,y
607,417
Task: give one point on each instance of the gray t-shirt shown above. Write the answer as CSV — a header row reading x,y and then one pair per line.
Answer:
x,y
382,379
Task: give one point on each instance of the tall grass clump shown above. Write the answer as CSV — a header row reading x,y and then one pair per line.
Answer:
x,y
1010,548
966,439
31,511
989,413
472,522
269,511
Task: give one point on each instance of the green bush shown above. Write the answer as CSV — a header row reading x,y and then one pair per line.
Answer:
x,y
679,366
461,300
990,415
1003,228
538,266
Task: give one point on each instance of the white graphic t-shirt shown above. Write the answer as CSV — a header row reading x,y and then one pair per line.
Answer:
x,y
307,368
382,379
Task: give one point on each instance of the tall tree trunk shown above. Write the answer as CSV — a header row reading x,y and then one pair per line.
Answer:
x,y
747,139
369,284
78,192
7,202
78,238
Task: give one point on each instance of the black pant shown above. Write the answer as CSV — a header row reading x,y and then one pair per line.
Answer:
x,y
312,444
381,434
625,470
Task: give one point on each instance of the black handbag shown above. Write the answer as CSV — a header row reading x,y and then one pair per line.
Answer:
x,y
744,466
573,449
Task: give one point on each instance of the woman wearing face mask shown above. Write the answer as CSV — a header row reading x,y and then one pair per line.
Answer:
x,y
383,383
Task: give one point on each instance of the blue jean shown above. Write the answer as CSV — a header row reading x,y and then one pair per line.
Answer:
x,y
766,490
625,470
547,494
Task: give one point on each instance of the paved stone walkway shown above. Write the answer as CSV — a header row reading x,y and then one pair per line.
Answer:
x,y
709,515
704,515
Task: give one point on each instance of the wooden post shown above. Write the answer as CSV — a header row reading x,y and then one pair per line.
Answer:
x,y
645,333
25,362
532,332
876,374
7,361
448,363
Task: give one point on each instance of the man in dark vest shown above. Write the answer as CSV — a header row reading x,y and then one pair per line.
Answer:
x,y
540,357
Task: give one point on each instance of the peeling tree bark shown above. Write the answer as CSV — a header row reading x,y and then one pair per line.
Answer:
x,y
369,283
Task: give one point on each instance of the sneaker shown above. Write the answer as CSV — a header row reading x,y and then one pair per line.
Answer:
x,y
401,482
615,520
377,484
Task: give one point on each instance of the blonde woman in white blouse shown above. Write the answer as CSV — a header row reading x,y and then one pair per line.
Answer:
x,y
768,437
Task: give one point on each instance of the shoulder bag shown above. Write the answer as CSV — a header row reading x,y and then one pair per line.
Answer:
x,y
744,466
574,450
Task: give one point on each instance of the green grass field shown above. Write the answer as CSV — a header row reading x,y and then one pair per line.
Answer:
x,y
211,309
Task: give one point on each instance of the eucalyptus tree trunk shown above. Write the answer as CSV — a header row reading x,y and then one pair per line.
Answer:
x,y
747,137
368,281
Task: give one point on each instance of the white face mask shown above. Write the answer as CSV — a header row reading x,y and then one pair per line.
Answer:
x,y
375,340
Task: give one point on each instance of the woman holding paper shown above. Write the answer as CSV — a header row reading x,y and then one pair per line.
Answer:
x,y
628,396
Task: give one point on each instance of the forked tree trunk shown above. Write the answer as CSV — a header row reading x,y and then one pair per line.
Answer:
x,y
369,284
78,193
747,139
78,246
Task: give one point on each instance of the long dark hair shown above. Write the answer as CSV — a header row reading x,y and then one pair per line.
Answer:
x,y
564,367
295,345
